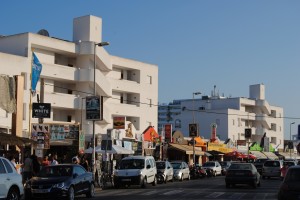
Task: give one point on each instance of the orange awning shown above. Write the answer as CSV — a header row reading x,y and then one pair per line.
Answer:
x,y
200,142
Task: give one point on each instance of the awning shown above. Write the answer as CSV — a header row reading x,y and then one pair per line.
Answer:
x,y
15,140
258,154
187,149
271,155
215,153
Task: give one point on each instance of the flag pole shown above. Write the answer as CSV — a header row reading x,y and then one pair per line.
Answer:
x,y
30,95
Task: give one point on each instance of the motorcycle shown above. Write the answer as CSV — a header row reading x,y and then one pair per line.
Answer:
x,y
197,172
209,172
160,177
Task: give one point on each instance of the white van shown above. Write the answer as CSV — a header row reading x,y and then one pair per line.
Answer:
x,y
136,170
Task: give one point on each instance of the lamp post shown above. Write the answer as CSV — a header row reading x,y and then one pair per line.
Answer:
x,y
291,139
101,44
194,158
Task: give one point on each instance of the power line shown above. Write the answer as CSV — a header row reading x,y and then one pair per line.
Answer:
x,y
185,109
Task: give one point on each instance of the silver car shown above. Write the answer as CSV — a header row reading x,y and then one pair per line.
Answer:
x,y
181,170
271,168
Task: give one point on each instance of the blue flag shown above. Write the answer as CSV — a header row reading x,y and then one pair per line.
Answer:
x,y
35,72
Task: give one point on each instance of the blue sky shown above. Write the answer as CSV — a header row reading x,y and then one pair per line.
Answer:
x,y
195,43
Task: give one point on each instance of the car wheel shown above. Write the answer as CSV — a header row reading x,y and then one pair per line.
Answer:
x,y
181,178
189,177
91,192
13,194
154,183
254,184
258,184
227,185
144,182
215,174
71,194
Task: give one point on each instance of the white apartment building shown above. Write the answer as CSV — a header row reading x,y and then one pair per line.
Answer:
x,y
128,87
231,115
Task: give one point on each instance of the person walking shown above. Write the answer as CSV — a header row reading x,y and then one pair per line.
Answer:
x,y
54,160
27,168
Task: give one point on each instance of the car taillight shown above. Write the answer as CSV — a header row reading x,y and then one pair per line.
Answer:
x,y
250,174
284,186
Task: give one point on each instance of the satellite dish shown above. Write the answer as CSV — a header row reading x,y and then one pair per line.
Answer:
x,y
43,32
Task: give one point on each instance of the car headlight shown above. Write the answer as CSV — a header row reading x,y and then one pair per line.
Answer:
x,y
59,185
27,185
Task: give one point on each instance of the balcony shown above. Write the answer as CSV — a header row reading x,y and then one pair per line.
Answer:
x,y
125,86
58,72
124,109
60,100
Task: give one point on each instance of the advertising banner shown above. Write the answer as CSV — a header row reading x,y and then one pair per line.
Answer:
x,y
119,123
93,108
41,110
40,134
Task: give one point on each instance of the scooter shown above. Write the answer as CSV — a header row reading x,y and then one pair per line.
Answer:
x,y
160,177
209,172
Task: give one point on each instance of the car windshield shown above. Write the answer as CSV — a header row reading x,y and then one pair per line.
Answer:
x,y
272,164
241,166
224,164
55,171
209,164
176,165
160,165
132,164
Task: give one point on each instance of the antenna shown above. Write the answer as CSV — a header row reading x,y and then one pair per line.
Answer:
x,y
43,32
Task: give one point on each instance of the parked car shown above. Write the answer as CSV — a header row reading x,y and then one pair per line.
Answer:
x,y
11,186
259,164
181,170
225,165
272,168
242,173
164,171
136,170
290,187
290,163
215,166
60,181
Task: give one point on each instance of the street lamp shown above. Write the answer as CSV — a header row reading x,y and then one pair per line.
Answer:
x,y
194,158
291,139
101,44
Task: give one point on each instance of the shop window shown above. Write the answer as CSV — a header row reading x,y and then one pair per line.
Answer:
x,y
69,118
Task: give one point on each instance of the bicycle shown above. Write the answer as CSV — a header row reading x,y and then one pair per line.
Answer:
x,y
105,179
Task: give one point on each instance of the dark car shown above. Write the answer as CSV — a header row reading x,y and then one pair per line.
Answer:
x,y
242,173
290,187
60,181
259,164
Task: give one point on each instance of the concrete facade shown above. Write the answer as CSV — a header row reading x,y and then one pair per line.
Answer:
x,y
129,88
232,116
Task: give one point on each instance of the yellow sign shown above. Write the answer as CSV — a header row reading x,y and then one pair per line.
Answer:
x,y
218,147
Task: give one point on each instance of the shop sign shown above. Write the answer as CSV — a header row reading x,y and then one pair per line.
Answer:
x,y
168,132
241,142
40,133
119,123
41,110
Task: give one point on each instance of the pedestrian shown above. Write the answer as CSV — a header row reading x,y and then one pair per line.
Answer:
x,y
54,159
27,168
13,161
283,170
35,165
85,163
46,161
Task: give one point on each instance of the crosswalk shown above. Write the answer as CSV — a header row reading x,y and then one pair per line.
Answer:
x,y
185,194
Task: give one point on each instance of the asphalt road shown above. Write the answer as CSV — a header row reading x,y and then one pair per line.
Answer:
x,y
204,189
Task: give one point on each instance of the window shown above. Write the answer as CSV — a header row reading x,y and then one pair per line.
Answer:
x,y
149,80
24,111
25,80
69,118
8,166
2,168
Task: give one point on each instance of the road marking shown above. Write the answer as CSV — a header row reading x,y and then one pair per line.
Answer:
x,y
150,193
238,196
215,194
173,192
